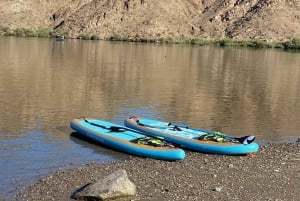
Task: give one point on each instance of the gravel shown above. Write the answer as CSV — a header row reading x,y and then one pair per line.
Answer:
x,y
273,173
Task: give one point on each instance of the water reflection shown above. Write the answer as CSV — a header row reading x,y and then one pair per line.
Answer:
x,y
45,83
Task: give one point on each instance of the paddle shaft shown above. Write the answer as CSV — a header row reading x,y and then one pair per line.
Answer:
x,y
119,128
113,128
179,128
228,137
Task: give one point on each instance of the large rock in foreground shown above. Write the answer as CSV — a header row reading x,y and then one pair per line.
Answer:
x,y
114,186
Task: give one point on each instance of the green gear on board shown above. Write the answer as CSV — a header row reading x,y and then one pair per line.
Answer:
x,y
154,141
217,137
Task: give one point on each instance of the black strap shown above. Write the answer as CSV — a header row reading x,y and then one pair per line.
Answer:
x,y
111,128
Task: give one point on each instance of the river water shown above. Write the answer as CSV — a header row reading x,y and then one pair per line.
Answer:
x,y
44,84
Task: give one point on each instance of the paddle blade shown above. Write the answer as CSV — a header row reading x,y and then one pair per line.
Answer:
x,y
116,129
246,140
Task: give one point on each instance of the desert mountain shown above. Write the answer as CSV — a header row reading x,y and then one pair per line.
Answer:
x,y
239,19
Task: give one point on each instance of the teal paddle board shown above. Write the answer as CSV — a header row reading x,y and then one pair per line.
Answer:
x,y
126,140
194,139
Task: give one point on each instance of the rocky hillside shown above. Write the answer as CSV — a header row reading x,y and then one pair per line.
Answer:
x,y
271,20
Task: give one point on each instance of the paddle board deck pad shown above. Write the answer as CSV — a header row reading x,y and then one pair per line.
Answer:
x,y
126,140
193,138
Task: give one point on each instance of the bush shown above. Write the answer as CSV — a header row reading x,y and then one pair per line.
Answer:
x,y
23,32
226,42
259,44
116,37
58,32
4,31
292,44
94,37
45,33
198,41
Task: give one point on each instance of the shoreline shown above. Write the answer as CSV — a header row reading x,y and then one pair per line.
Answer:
x,y
273,173
287,44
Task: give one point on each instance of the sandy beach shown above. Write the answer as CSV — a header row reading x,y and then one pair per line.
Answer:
x,y
273,173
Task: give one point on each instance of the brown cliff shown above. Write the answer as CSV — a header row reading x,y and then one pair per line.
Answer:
x,y
271,20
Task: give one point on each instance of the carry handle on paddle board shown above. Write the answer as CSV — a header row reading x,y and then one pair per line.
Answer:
x,y
243,140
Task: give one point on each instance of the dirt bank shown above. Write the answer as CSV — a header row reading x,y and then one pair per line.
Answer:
x,y
271,174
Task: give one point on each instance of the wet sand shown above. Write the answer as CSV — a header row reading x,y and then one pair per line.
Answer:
x,y
273,173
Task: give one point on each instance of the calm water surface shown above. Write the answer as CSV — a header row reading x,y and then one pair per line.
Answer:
x,y
44,84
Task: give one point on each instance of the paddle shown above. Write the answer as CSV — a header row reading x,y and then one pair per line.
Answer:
x,y
243,140
122,129
112,128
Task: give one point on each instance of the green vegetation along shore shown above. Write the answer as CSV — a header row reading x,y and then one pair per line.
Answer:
x,y
289,44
